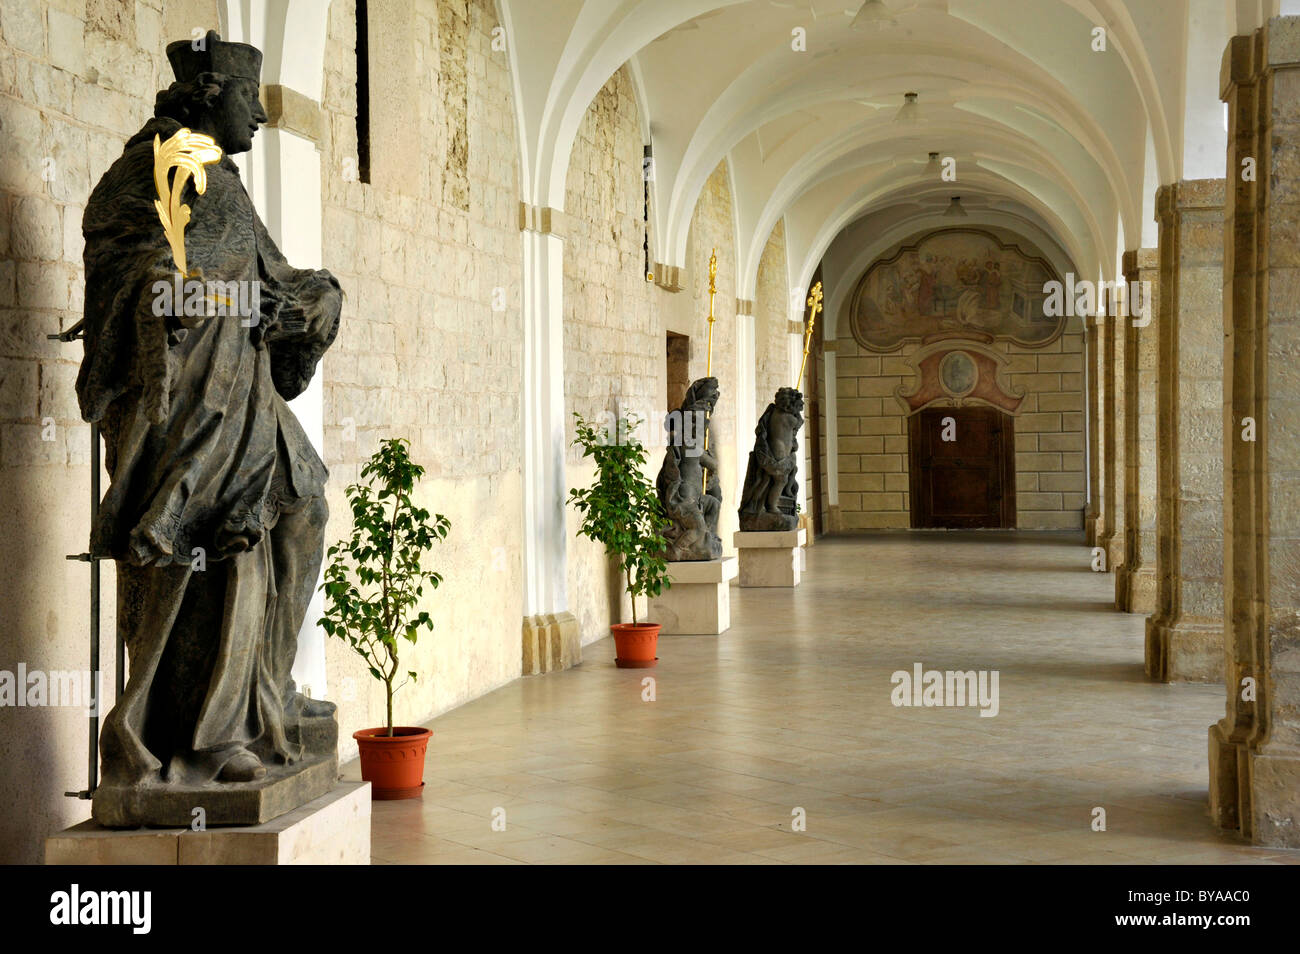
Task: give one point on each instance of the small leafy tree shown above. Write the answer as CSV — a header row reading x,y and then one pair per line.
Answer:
x,y
621,509
390,536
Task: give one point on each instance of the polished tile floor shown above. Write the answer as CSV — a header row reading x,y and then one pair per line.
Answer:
x,y
789,715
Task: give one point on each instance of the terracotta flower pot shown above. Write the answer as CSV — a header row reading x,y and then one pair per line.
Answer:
x,y
394,766
635,644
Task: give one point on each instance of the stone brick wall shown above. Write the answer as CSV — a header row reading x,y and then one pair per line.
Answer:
x,y
873,434
614,345
772,314
430,343
77,79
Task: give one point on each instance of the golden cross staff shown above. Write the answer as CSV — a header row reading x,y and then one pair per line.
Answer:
x,y
815,303
187,152
708,363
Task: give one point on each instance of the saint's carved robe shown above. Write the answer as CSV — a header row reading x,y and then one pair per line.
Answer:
x,y
215,513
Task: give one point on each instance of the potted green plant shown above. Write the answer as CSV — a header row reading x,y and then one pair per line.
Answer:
x,y
373,586
621,510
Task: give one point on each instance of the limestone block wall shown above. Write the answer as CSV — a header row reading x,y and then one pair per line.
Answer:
x,y
429,348
873,434
76,80
772,315
614,344
616,322
686,312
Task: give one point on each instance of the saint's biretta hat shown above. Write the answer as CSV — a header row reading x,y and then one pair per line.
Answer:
x,y
214,55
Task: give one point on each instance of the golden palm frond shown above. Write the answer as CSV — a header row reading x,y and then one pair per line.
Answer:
x,y
187,152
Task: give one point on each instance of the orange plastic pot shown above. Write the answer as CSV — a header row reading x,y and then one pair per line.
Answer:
x,y
635,644
394,766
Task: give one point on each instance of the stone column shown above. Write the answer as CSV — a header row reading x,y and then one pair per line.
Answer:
x,y
831,449
1112,395
1185,636
1094,521
1255,748
551,638
1135,580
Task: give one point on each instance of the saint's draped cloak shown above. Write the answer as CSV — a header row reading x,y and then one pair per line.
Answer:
x,y
204,457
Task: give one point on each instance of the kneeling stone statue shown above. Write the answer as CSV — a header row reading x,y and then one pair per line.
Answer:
x,y
771,490
688,482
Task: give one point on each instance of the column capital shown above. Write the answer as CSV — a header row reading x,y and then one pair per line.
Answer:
x,y
668,277
1238,67
1281,43
542,219
1200,194
1165,204
291,111
744,306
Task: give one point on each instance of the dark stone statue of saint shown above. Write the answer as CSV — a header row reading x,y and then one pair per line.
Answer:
x,y
688,483
216,511
771,490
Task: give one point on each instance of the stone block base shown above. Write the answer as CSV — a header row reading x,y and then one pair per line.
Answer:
x,y
1113,544
1184,651
284,789
770,558
1274,802
1224,792
699,600
331,830
1135,590
1094,527
551,642
834,520
806,525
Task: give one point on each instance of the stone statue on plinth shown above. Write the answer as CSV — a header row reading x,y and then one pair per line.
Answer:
x,y
771,490
197,332
688,483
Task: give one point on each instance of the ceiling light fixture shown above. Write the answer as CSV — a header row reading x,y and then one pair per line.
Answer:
x,y
909,112
955,210
873,14
932,166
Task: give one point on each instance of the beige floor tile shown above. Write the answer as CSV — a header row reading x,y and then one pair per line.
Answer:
x,y
792,708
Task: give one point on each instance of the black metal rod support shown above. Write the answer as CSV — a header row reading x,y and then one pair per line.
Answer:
x,y
92,771
92,759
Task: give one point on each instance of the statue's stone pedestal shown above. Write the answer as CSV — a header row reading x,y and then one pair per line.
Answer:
x,y
699,601
331,830
770,558
285,788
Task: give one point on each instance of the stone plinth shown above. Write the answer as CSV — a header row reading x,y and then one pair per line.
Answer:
x,y
699,601
284,789
771,558
331,830
551,642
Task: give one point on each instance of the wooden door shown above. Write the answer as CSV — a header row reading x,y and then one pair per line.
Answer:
x,y
968,480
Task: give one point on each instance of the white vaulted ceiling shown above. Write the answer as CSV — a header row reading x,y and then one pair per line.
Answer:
x,y
1049,137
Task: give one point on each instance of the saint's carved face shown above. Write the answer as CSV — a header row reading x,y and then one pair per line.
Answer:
x,y
234,120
